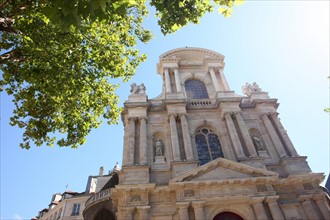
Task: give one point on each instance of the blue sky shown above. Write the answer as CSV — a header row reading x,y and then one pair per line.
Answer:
x,y
281,45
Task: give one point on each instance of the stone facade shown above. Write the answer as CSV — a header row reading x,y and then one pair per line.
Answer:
x,y
201,151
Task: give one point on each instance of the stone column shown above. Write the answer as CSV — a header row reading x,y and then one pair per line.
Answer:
x,y
307,205
174,139
126,143
127,213
167,81
234,136
273,136
177,80
320,201
246,136
214,80
183,210
284,135
258,208
275,209
143,141
143,212
199,210
186,137
223,80
131,141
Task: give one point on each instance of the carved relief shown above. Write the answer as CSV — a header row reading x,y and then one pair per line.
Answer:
x,y
308,186
189,193
261,188
135,198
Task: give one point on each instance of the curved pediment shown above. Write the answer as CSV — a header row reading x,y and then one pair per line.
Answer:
x,y
190,57
191,53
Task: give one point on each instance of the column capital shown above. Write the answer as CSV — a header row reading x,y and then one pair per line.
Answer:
x,y
303,198
263,114
259,199
275,114
143,117
143,208
317,197
172,115
271,199
128,210
198,204
182,205
132,119
182,115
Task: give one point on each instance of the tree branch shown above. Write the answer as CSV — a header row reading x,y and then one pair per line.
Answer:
x,y
13,55
3,5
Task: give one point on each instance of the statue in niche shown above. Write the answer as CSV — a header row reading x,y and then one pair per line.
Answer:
x,y
159,148
248,88
138,89
259,145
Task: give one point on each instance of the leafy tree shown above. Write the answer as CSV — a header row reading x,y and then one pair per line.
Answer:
x,y
59,58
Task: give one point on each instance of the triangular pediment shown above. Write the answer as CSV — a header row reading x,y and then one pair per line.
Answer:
x,y
222,169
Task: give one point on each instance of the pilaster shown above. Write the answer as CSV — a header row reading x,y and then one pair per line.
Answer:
x,y
258,208
183,210
247,139
199,209
234,136
273,136
284,135
274,207
174,138
143,140
186,137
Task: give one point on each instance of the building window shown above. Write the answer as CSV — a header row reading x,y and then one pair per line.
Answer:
x,y
195,89
208,145
75,210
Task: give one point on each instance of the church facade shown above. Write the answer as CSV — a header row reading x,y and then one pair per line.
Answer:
x,y
201,151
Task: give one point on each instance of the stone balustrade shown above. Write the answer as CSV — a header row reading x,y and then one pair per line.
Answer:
x,y
97,197
201,103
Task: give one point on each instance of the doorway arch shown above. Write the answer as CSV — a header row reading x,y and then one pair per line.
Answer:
x,y
227,216
104,214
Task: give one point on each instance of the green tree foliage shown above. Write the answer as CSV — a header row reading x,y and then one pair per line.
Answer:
x,y
59,58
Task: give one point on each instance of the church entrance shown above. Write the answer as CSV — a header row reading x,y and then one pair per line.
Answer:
x,y
227,216
104,214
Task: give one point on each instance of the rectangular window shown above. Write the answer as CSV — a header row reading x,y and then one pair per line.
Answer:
x,y
75,210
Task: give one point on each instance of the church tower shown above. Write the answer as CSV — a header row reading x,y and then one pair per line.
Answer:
x,y
201,151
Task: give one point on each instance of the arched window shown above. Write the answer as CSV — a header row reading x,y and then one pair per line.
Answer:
x,y
208,145
195,89
227,216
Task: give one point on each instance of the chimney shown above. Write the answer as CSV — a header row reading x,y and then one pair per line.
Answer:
x,y
101,171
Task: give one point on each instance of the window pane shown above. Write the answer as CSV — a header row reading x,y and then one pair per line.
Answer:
x,y
196,90
215,146
202,149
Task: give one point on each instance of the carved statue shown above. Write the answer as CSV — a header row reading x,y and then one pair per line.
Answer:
x,y
258,144
159,151
248,89
133,88
138,89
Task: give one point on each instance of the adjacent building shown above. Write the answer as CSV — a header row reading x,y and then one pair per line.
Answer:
x,y
201,151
